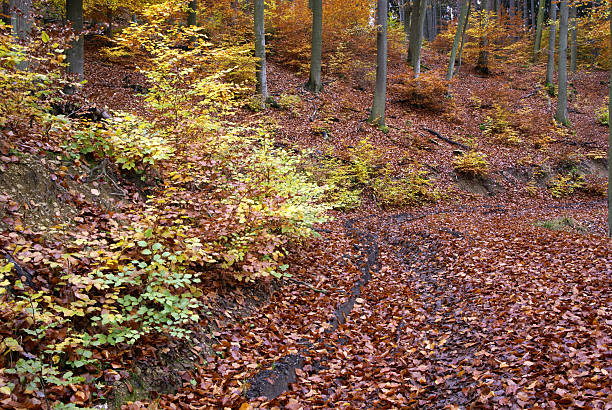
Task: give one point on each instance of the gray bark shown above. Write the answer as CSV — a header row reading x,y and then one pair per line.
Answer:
x,y
314,82
414,23
377,115
260,49
512,8
21,18
416,56
533,16
75,54
538,36
407,14
550,68
458,35
574,38
483,56
465,27
561,115
192,15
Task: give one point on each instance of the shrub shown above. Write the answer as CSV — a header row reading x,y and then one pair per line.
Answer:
x,y
564,185
499,127
414,188
471,163
602,116
428,91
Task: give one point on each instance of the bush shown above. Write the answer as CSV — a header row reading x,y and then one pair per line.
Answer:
x,y
564,185
499,127
413,189
602,116
472,163
428,91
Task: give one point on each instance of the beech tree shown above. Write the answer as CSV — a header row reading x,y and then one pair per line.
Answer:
x,y
21,18
573,38
314,81
538,35
377,115
550,67
416,36
561,115
458,36
192,15
260,49
75,54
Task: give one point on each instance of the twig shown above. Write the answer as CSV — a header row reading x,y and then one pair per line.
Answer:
x,y
450,141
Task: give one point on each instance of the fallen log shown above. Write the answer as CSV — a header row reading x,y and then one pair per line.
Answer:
x,y
448,140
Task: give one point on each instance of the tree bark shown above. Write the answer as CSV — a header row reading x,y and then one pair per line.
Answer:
x,y
533,16
525,14
538,36
314,81
550,68
407,14
75,54
458,35
192,15
377,114
260,49
482,64
574,39
414,23
512,8
21,18
561,115
415,60
465,27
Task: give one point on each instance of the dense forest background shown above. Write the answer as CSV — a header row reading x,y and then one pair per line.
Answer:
x,y
305,204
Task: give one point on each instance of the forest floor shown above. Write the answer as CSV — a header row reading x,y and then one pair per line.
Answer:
x,y
497,295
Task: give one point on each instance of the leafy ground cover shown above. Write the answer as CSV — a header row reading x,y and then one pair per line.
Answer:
x,y
391,268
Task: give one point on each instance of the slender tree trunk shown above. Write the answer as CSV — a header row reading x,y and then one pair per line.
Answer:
x,y
550,68
260,49
483,56
414,23
21,18
75,54
574,38
416,64
377,115
314,82
525,13
512,8
434,11
561,115
407,9
533,16
610,141
458,35
6,12
465,26
538,36
192,15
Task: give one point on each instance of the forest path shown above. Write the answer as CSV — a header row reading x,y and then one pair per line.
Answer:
x,y
417,325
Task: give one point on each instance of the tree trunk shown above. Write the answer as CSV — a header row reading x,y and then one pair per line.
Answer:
x,y
574,39
610,141
414,22
483,56
260,49
75,54
561,115
550,68
192,15
407,9
525,14
465,26
314,81
512,8
458,35
533,16
6,13
416,63
21,18
377,115
538,36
